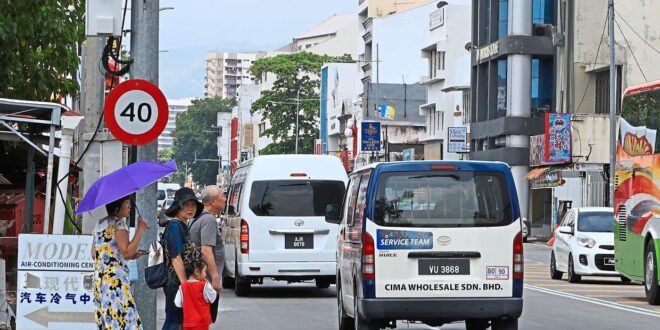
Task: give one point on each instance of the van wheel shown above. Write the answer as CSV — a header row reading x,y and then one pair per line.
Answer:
x,y
554,273
359,322
476,324
322,283
227,282
242,284
345,322
572,277
505,324
651,275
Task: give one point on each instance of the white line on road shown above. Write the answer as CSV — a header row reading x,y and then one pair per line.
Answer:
x,y
600,302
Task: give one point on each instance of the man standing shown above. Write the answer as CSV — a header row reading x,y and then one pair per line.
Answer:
x,y
205,233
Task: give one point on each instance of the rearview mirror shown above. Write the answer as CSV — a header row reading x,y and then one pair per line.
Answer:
x,y
332,214
566,230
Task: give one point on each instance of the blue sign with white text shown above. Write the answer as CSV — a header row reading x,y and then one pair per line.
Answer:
x,y
404,240
370,136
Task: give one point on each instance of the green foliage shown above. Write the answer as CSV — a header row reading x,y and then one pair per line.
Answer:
x,y
296,73
39,48
180,175
195,135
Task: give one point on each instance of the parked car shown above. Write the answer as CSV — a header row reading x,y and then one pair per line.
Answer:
x,y
162,217
429,241
584,244
274,223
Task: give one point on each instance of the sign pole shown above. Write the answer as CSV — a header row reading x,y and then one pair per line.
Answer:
x,y
612,104
144,50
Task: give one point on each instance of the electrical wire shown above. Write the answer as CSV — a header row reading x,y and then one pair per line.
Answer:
x,y
586,89
635,32
107,51
631,51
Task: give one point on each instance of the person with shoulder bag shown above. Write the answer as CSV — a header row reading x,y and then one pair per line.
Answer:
x,y
204,232
179,251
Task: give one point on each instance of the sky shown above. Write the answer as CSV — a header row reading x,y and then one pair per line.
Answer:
x,y
196,27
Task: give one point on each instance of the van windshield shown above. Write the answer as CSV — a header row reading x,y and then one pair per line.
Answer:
x,y
294,198
443,199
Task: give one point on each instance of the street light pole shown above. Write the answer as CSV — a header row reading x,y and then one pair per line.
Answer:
x,y
297,114
612,103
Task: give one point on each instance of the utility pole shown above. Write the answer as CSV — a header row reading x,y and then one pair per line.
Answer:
x,y
144,52
297,114
612,103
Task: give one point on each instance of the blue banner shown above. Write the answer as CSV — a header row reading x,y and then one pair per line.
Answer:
x,y
404,240
370,136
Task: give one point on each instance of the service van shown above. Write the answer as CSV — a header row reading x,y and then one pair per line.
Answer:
x,y
431,242
274,223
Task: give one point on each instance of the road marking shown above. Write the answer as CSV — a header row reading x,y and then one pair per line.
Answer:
x,y
584,286
603,296
586,290
599,302
633,302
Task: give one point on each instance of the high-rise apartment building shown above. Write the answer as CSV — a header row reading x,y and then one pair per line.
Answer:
x,y
176,107
225,72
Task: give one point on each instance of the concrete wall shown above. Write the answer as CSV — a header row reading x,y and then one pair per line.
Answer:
x,y
380,8
405,99
591,138
343,42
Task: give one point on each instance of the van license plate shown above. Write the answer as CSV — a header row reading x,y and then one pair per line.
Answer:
x,y
299,241
443,266
609,262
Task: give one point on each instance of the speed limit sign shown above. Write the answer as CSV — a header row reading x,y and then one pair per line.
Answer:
x,y
136,112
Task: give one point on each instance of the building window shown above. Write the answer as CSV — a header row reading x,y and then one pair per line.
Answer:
x,y
438,121
603,91
466,107
503,21
542,89
441,61
543,11
262,129
501,88
436,62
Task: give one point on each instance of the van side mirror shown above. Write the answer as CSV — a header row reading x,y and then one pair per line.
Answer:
x,y
332,214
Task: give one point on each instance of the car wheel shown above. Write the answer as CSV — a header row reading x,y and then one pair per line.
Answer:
x,y
345,322
505,324
651,275
242,284
572,277
554,273
359,322
322,283
227,282
625,280
476,324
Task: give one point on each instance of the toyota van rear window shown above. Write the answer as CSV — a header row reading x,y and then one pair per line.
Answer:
x,y
443,199
294,198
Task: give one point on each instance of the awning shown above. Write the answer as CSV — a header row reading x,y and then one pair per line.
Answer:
x,y
537,172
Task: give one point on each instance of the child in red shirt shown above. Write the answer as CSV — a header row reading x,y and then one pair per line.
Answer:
x,y
195,297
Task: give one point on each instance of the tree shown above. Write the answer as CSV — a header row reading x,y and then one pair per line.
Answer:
x,y
297,76
180,175
39,48
195,136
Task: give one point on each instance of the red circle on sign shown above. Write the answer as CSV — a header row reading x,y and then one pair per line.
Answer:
x,y
162,113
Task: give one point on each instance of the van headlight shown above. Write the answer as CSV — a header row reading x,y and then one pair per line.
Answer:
x,y
585,241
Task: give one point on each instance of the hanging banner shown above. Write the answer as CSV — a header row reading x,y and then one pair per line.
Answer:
x,y
557,138
318,144
370,136
537,150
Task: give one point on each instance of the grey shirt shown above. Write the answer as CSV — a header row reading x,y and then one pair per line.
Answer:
x,y
204,230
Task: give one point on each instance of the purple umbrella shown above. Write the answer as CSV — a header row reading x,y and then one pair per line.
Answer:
x,y
123,182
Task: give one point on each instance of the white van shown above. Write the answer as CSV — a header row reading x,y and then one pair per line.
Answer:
x,y
274,224
429,241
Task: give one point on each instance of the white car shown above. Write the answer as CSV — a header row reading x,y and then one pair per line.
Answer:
x,y
584,245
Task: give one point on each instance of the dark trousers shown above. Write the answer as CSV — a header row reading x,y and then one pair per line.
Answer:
x,y
214,309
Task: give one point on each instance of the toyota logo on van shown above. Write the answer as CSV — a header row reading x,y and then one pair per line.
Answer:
x,y
299,223
444,240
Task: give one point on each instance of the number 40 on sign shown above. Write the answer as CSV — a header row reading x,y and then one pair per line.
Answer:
x,y
136,112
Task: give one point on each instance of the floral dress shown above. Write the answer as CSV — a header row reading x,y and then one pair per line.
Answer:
x,y
115,306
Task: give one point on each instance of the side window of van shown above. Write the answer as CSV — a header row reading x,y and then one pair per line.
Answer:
x,y
235,197
360,205
351,197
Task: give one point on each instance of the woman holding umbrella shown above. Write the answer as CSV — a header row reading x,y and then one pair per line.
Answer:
x,y
115,306
179,249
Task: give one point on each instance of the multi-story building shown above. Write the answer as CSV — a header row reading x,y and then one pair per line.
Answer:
x,y
447,81
226,72
335,36
176,107
512,82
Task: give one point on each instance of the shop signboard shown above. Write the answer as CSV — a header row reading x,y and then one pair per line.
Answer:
x,y
457,139
370,136
55,282
557,138
547,180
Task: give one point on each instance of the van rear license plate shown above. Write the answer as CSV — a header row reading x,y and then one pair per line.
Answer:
x,y
443,266
299,241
